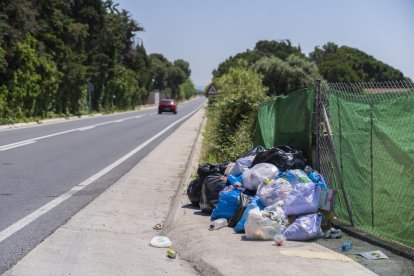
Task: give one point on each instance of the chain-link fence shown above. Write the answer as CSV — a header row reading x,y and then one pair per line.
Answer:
x,y
365,150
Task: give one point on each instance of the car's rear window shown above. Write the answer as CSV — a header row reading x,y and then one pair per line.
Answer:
x,y
167,102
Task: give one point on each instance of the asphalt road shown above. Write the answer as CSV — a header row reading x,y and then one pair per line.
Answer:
x,y
50,172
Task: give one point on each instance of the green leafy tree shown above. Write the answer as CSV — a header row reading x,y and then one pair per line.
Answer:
x,y
32,83
50,50
282,77
346,64
187,90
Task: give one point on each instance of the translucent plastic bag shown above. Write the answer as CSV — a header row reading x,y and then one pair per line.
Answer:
x,y
254,203
258,227
303,199
277,212
253,177
304,228
242,164
275,190
297,177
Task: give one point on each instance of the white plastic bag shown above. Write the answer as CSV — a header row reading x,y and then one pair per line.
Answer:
x,y
258,227
277,212
253,177
242,164
274,191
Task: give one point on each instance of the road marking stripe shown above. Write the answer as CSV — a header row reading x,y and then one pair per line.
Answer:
x,y
52,204
86,128
16,145
64,132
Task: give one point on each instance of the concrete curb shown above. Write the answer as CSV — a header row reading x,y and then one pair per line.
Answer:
x,y
199,265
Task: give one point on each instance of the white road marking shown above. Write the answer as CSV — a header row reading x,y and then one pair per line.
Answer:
x,y
86,128
52,204
16,145
26,142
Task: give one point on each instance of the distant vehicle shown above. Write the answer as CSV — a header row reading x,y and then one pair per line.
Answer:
x,y
167,105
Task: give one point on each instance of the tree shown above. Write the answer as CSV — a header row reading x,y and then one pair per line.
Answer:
x,y
187,90
346,64
33,81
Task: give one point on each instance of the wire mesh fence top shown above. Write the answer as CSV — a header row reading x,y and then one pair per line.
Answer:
x,y
370,91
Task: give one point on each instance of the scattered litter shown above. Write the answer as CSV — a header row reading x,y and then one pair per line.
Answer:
x,y
333,233
373,255
160,241
346,246
279,240
218,223
158,226
171,253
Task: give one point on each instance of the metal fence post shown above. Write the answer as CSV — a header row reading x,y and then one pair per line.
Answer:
x,y
318,122
337,165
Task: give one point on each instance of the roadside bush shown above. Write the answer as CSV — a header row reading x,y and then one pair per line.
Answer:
x,y
232,114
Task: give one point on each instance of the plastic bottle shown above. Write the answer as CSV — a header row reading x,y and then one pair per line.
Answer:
x,y
279,240
218,223
346,246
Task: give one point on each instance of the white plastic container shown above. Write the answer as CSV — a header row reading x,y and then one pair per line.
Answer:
x,y
160,241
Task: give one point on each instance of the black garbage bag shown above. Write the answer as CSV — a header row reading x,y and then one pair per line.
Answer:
x,y
207,169
283,157
254,151
194,191
244,200
212,186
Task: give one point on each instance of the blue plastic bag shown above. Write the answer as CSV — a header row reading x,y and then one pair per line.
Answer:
x,y
227,204
318,179
254,203
303,199
304,228
234,179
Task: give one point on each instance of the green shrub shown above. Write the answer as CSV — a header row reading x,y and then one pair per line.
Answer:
x,y
232,115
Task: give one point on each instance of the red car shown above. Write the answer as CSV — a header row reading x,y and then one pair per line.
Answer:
x,y
167,105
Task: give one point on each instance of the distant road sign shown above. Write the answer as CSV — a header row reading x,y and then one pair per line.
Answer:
x,y
212,91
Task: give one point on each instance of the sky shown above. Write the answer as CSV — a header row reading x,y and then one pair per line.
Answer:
x,y
207,32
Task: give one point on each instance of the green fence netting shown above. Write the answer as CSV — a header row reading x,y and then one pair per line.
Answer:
x,y
374,140
287,120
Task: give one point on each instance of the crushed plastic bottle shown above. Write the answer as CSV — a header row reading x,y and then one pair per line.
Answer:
x,y
279,240
346,246
218,223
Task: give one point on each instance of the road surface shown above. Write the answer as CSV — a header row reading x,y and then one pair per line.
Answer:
x,y
50,172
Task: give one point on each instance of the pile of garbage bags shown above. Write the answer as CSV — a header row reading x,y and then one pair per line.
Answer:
x,y
265,193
